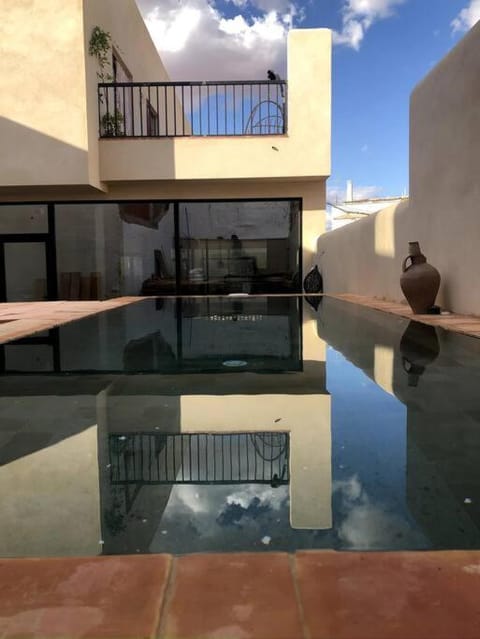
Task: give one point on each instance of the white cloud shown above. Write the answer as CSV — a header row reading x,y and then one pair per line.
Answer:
x,y
467,17
358,17
198,42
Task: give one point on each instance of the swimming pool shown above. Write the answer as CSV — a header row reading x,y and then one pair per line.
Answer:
x,y
239,423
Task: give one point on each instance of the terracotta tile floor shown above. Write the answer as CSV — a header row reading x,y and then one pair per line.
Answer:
x,y
242,595
310,595
20,319
467,324
92,597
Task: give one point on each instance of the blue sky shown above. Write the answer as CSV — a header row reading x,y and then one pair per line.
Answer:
x,y
383,48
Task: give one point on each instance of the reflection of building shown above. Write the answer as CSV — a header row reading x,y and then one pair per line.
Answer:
x,y
216,399
142,184
435,374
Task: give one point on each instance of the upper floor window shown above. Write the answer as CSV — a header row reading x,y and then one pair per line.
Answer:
x,y
120,71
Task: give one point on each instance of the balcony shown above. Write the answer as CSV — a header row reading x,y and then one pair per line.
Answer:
x,y
216,133
181,109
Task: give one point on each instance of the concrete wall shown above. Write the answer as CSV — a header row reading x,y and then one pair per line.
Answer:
x,y
442,213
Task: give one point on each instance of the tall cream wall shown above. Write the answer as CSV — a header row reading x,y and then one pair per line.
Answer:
x,y
303,153
48,103
442,213
43,124
132,43
444,161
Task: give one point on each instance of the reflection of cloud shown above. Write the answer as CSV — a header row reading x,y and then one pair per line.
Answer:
x,y
204,518
271,496
368,525
234,514
189,497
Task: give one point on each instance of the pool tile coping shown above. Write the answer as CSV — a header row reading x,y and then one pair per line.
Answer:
x,y
466,324
316,594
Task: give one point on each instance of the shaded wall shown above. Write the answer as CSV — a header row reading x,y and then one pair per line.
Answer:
x,y
442,213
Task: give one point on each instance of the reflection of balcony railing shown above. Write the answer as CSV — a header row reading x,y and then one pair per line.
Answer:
x,y
178,109
203,458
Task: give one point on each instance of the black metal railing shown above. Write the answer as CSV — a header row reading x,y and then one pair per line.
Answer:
x,y
200,458
179,109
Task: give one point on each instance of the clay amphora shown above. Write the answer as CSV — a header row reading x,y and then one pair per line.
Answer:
x,y
419,281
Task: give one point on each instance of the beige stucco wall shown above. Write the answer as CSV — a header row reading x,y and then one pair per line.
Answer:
x,y
49,106
132,44
43,126
303,153
442,213
48,103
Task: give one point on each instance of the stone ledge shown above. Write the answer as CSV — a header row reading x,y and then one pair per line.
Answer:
x,y
466,324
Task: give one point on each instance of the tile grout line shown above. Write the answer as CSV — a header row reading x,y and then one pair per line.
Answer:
x,y
293,572
166,599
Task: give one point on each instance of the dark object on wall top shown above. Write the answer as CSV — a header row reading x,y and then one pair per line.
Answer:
x,y
313,282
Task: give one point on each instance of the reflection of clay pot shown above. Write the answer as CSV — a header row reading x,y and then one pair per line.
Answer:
x,y
419,281
419,347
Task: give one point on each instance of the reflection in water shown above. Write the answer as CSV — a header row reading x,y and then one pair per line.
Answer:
x,y
199,458
314,301
147,442
419,347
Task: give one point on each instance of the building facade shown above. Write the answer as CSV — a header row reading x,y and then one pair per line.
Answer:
x,y
116,181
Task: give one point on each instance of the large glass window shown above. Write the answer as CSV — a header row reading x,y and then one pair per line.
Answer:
x,y
109,249
239,247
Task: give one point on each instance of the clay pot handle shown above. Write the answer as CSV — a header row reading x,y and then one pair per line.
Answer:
x,y
404,263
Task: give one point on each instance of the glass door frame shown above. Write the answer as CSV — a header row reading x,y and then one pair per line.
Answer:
x,y
48,240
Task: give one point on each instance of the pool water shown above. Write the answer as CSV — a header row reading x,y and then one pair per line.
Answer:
x,y
231,424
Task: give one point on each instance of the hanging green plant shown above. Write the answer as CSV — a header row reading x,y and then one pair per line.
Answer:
x,y
99,46
112,124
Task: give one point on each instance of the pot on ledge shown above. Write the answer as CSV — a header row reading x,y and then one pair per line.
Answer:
x,y
419,281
